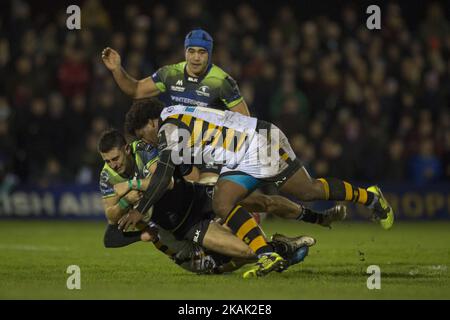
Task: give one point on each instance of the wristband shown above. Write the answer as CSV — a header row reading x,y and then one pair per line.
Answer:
x,y
130,184
123,203
138,184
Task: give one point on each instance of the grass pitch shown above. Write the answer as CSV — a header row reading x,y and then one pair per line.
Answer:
x,y
413,257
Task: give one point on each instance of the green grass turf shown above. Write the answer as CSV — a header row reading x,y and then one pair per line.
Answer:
x,y
414,259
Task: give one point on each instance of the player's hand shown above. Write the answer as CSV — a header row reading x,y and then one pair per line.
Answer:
x,y
130,219
121,189
134,196
111,59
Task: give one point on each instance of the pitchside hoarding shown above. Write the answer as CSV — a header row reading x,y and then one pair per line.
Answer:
x,y
84,202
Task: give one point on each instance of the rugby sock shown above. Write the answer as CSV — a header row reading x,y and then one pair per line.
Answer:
x,y
340,190
245,227
309,215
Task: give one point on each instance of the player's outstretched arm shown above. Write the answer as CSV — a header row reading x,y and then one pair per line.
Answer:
x,y
136,89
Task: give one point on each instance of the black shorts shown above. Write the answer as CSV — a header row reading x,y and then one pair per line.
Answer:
x,y
198,216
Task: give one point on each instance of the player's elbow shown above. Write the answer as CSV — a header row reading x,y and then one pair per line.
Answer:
x,y
145,88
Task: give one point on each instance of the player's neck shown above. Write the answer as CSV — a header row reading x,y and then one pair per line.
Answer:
x,y
192,74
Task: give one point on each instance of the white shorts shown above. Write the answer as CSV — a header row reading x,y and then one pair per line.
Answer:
x,y
269,157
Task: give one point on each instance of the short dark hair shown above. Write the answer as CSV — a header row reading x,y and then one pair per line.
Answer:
x,y
110,139
140,112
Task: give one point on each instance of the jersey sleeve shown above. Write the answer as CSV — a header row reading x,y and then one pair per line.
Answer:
x,y
230,94
152,157
148,153
106,187
168,137
159,78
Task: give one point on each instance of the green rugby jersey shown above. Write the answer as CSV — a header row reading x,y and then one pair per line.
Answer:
x,y
216,89
144,154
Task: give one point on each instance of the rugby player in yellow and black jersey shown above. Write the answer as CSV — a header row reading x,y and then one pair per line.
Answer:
x,y
169,223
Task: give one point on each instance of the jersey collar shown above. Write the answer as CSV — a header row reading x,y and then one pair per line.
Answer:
x,y
197,80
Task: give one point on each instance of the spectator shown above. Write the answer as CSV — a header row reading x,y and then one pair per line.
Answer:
x,y
349,99
426,167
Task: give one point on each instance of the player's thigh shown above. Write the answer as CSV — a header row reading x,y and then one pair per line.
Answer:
x,y
226,195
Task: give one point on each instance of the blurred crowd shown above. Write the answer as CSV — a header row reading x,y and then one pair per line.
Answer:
x,y
359,104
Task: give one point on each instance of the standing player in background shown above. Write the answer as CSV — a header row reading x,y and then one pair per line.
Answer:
x,y
194,82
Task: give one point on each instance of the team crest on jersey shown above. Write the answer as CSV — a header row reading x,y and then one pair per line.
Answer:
x,y
203,91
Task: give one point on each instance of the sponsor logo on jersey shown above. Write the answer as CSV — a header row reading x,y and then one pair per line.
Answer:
x,y
188,101
104,186
203,91
197,235
179,83
177,88
104,176
192,79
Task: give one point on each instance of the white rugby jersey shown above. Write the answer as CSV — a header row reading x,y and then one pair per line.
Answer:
x,y
208,135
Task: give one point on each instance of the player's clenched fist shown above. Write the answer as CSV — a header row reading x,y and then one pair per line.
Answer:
x,y
111,58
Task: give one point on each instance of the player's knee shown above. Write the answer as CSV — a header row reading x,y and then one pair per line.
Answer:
x,y
248,254
312,190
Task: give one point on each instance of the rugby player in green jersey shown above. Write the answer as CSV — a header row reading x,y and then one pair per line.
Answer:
x,y
137,161
194,82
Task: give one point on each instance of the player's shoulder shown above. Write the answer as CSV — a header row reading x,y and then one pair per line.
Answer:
x,y
174,68
108,177
146,151
172,111
222,78
105,175
217,72
140,145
